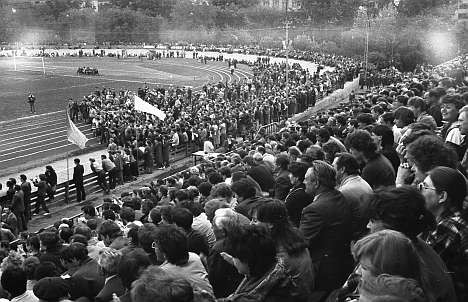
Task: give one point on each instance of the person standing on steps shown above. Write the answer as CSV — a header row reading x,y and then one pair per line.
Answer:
x,y
26,187
32,101
41,194
78,172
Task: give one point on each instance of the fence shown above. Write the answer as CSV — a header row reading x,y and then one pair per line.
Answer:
x,y
91,186
90,180
268,129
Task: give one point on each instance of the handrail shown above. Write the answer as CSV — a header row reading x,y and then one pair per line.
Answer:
x,y
269,129
90,183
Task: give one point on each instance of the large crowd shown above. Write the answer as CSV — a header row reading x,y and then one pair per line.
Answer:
x,y
361,202
220,112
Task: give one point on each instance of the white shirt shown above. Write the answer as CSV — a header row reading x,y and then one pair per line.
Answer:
x,y
175,139
208,147
396,134
454,136
203,225
28,296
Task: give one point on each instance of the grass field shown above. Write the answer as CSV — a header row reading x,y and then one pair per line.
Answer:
x,y
61,81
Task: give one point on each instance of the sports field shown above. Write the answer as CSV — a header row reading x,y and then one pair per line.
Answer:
x,y
27,138
61,81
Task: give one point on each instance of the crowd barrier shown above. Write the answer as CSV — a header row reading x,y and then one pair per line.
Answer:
x,y
268,129
90,180
91,186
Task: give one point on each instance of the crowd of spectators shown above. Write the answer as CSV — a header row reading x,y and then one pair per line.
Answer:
x,y
364,201
220,113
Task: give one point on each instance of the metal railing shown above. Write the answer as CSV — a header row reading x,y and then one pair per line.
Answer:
x,y
268,129
90,180
91,186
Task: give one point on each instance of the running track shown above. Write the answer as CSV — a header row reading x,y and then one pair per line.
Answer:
x,y
30,140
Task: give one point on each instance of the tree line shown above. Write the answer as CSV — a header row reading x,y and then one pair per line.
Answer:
x,y
397,27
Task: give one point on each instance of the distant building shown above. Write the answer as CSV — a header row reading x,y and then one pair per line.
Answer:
x,y
281,4
21,4
98,3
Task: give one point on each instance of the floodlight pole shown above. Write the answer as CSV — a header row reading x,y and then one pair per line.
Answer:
x,y
366,54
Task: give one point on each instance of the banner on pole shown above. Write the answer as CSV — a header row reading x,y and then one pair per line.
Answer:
x,y
74,135
143,106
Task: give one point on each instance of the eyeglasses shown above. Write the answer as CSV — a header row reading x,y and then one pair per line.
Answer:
x,y
423,186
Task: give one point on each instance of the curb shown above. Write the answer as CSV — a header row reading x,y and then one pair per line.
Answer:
x,y
41,222
25,118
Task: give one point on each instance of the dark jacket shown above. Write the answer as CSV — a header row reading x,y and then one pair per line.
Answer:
x,y
113,285
26,188
263,176
326,225
89,271
53,256
17,204
78,172
51,177
223,276
295,202
248,205
379,172
42,187
282,185
275,285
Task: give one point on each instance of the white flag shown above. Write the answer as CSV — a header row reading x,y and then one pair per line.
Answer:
x,y
143,106
74,135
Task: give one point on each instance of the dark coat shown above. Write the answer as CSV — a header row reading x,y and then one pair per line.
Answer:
x,y
89,271
263,176
274,286
54,257
223,276
17,204
113,285
78,172
42,187
51,177
26,188
295,202
158,153
148,156
326,225
379,172
282,185
247,206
